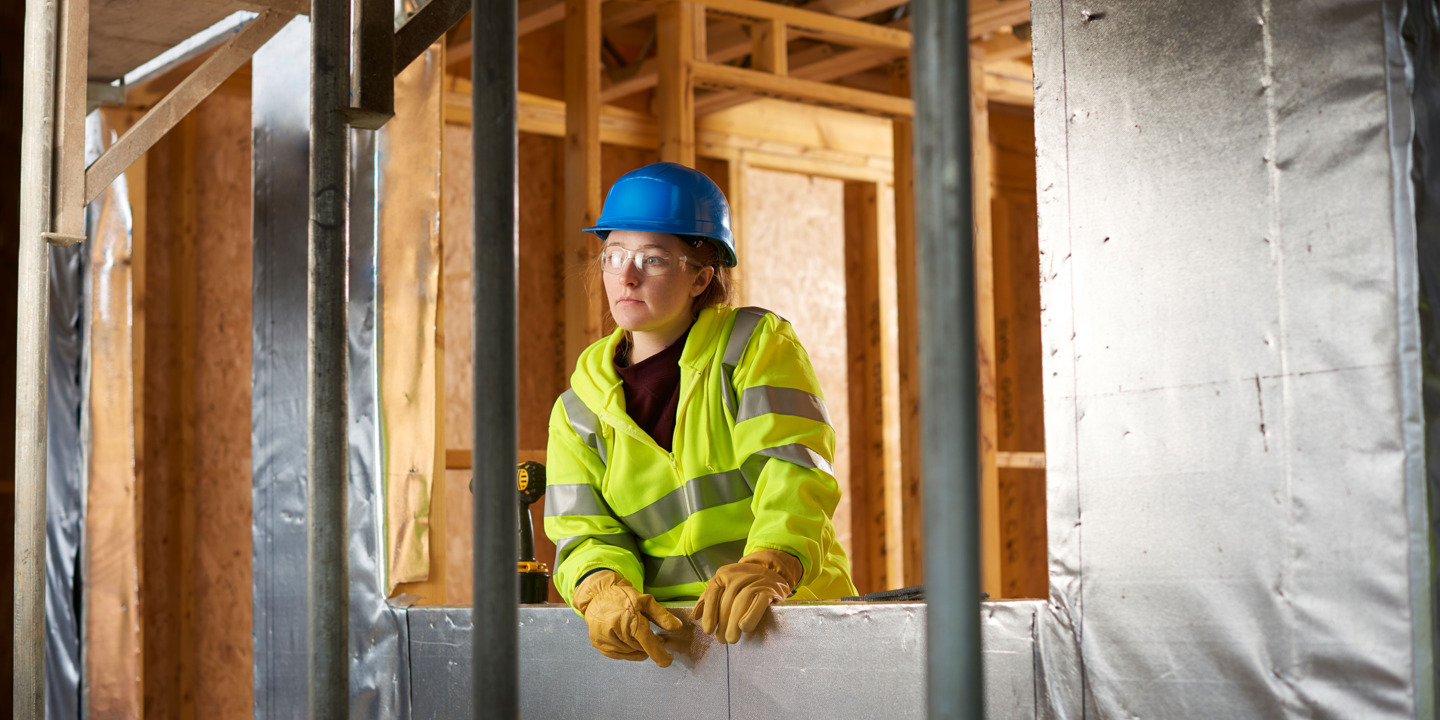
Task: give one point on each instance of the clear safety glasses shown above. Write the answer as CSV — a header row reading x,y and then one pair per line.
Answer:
x,y
650,260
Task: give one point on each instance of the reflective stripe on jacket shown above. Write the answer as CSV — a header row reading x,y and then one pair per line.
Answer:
x,y
751,466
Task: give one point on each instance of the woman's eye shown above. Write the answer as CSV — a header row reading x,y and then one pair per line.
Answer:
x,y
654,261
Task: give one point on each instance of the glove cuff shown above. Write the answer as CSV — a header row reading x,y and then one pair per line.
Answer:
x,y
781,563
594,584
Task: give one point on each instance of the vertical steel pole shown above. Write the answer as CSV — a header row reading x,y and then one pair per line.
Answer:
x,y
33,354
949,413
327,442
496,662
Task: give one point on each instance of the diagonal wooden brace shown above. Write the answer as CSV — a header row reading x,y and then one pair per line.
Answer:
x,y
181,100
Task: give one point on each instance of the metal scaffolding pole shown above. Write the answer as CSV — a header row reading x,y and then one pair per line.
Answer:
x,y
496,662
327,442
946,286
33,354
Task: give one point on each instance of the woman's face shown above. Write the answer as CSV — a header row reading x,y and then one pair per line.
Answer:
x,y
645,303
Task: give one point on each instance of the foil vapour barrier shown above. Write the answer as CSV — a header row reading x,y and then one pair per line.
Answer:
x,y
111,615
407,194
841,661
65,479
379,648
1421,28
1231,361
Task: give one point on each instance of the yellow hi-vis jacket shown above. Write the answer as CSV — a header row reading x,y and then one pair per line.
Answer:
x,y
751,466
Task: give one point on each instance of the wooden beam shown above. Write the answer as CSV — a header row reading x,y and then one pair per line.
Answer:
x,y
180,101
990,543
583,306
675,94
1010,81
769,43
987,16
726,41
1018,460
374,83
820,26
537,14
725,77
867,393
820,64
852,8
1004,45
69,128
904,516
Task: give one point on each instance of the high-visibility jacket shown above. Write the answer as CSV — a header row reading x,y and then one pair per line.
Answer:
x,y
751,466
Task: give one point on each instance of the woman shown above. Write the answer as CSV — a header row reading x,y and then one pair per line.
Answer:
x,y
692,455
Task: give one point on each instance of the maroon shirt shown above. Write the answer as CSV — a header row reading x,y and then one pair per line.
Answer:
x,y
652,391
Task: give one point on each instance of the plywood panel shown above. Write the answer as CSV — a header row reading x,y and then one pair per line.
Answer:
x,y
196,496
794,265
1020,406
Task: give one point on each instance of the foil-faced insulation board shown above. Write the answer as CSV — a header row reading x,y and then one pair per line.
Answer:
x,y
853,660
1231,360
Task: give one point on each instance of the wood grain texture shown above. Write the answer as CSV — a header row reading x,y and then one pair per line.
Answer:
x,y
583,198
905,510
112,513
866,379
990,542
1021,414
675,93
196,578
794,265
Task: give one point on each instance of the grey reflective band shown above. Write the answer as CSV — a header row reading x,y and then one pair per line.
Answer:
x,y
697,567
795,453
585,422
667,513
564,546
580,499
746,320
767,399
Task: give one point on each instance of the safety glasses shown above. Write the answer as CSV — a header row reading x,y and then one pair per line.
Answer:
x,y
649,260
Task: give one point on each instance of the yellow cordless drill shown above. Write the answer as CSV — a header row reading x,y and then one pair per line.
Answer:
x,y
534,576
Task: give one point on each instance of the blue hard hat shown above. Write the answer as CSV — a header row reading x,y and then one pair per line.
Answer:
x,y
669,198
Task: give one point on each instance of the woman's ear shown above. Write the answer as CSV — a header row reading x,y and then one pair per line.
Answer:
x,y
702,280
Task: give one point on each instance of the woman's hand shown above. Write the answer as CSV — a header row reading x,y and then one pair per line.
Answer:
x,y
736,598
618,617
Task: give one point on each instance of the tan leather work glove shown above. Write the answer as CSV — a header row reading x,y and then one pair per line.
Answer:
x,y
736,598
619,618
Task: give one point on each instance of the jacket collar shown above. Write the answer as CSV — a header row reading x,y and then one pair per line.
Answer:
x,y
597,383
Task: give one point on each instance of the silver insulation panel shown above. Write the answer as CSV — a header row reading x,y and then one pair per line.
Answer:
x,y
1233,435
379,667
853,660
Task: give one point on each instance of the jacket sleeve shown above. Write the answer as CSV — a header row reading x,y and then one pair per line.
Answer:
x,y
786,447
585,531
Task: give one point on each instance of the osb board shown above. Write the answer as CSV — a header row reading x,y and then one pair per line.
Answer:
x,y
542,377
1018,350
794,265
196,581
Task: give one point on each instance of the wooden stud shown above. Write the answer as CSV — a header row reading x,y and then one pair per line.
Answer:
x,y
904,512
830,66
987,17
675,93
583,198
70,99
990,545
768,50
867,429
